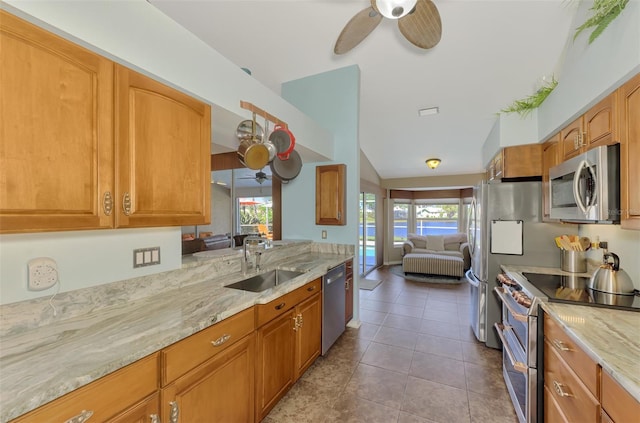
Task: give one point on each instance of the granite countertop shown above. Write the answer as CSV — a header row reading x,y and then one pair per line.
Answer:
x,y
43,363
611,337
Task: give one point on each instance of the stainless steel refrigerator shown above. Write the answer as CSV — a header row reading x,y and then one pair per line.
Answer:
x,y
505,227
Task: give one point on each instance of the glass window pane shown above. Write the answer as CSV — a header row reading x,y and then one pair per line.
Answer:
x,y
400,222
436,219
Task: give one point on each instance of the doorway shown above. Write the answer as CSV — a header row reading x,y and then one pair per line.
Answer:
x,y
367,238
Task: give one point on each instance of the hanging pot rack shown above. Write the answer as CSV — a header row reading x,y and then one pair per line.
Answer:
x,y
260,112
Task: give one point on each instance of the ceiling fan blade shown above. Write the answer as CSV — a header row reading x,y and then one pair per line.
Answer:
x,y
357,30
422,27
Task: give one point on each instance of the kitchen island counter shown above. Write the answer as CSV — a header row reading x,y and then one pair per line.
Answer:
x,y
609,336
96,331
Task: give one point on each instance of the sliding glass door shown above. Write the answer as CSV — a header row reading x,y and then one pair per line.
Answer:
x,y
367,248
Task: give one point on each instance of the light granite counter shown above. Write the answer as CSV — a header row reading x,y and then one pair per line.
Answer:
x,y
609,336
96,331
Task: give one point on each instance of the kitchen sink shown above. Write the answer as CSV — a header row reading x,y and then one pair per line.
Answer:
x,y
264,281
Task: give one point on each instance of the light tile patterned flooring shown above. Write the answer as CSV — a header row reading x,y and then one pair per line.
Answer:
x,y
413,360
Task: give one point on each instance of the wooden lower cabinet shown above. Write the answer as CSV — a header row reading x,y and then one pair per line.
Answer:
x,y
219,390
274,362
348,286
144,412
572,397
228,372
128,395
552,411
309,334
617,404
287,345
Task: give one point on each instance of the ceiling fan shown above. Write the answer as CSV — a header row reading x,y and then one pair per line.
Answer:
x,y
418,20
260,177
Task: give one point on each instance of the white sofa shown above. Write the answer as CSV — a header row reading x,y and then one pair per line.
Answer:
x,y
436,254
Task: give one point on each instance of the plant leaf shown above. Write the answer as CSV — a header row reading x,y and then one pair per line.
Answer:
x,y
603,12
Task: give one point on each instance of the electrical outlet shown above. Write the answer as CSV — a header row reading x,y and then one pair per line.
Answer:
x,y
43,273
324,234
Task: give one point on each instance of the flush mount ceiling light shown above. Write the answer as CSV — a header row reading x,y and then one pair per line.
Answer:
x,y
395,9
432,163
428,111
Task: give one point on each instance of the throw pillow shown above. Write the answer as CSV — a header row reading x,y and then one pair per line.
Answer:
x,y
435,242
418,240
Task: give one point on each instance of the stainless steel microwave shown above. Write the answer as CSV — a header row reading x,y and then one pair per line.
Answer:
x,y
586,188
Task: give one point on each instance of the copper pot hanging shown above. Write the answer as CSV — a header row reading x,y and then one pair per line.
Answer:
x,y
252,152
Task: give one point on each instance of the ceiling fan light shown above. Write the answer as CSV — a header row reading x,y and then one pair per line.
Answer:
x,y
395,9
432,163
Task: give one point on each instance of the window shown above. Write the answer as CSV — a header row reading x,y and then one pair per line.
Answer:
x,y
436,219
427,217
401,210
255,216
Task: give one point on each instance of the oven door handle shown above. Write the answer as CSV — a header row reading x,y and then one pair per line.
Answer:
x,y
505,300
519,366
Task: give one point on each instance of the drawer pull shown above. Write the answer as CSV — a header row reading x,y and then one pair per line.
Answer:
x,y
279,306
557,386
224,338
174,413
81,418
311,288
560,345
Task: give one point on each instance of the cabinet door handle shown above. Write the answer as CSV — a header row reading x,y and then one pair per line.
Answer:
x,y
126,204
560,345
346,285
279,306
295,323
557,386
107,203
153,418
81,418
224,338
175,412
300,321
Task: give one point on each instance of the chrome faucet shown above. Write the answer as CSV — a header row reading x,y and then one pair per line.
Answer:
x,y
252,240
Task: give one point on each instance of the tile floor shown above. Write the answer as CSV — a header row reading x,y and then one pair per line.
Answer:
x,y
413,360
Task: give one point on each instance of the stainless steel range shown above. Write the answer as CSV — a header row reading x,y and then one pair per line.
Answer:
x,y
520,338
521,333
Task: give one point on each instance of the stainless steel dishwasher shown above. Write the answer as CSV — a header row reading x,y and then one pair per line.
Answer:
x,y
333,294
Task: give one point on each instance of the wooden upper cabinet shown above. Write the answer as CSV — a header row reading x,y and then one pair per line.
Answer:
x,y
61,154
518,161
598,126
550,158
56,136
331,194
163,140
628,112
600,123
521,161
570,139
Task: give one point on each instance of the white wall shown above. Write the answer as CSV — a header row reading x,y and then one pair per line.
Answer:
x,y
625,243
85,258
592,71
510,129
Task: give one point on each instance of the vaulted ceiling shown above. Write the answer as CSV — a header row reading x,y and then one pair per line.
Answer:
x,y
491,53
